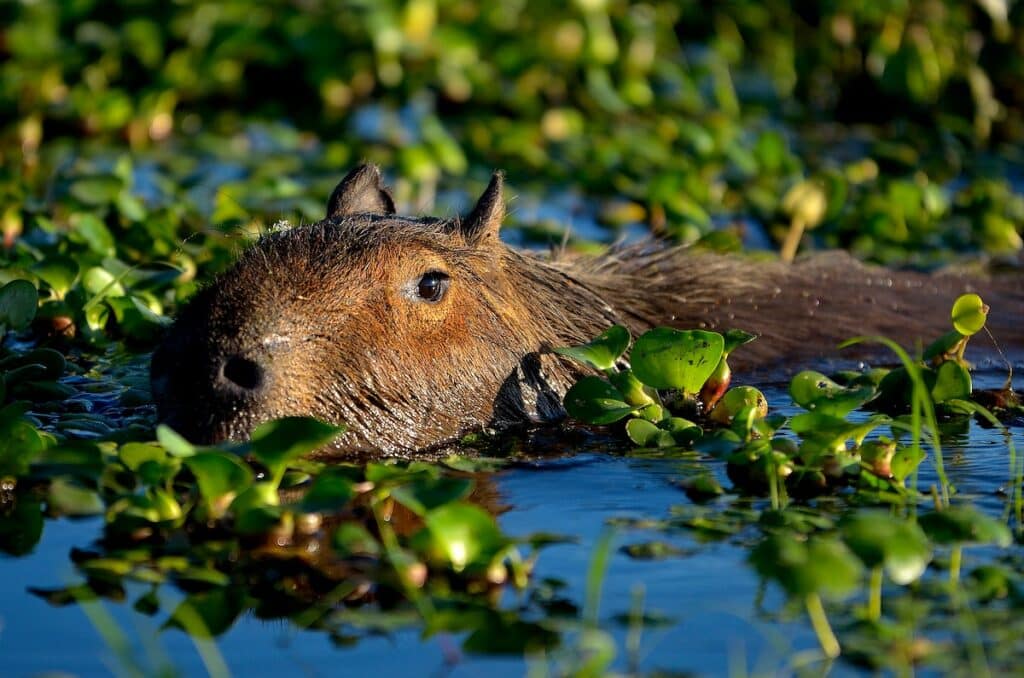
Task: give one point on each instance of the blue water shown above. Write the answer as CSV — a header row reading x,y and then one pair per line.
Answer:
x,y
709,594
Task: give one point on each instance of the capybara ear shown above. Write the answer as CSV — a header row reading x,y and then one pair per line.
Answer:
x,y
484,221
361,192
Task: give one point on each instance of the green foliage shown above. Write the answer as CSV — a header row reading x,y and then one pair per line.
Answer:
x,y
831,452
144,143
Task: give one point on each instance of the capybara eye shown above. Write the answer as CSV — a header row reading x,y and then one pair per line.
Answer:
x,y
432,286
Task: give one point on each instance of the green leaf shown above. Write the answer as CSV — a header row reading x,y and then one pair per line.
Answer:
x,y
19,301
594,401
20,445
21,526
330,491
631,389
643,432
426,494
134,455
602,352
352,539
821,565
221,476
880,539
96,190
275,443
207,614
736,338
93,232
101,283
737,399
465,534
60,273
668,358
174,443
905,461
70,499
944,345
969,314
965,525
815,392
952,381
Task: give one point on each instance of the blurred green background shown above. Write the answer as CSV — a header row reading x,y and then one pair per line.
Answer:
x,y
137,131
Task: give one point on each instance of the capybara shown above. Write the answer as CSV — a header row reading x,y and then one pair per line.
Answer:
x,y
416,331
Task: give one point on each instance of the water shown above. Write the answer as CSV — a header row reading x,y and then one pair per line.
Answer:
x,y
710,596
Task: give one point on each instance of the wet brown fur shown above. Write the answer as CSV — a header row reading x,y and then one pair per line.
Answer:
x,y
328,313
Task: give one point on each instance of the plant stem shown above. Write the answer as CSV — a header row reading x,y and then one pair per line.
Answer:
x,y
819,621
792,241
875,594
954,564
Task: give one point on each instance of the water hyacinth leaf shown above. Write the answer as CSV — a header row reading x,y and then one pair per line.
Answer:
x,y
134,455
603,351
500,633
683,431
329,492
668,358
201,577
70,499
19,301
101,283
426,494
59,273
20,444
734,339
947,344
220,477
351,539
965,525
174,443
878,456
96,190
905,461
651,550
90,230
207,614
256,509
816,392
701,488
820,425
952,381
277,442
642,432
969,314
465,534
736,400
879,539
595,401
21,526
819,565
632,389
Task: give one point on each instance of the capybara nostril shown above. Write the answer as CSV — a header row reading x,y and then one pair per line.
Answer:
x,y
242,373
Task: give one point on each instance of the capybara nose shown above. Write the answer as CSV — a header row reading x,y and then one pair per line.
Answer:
x,y
241,376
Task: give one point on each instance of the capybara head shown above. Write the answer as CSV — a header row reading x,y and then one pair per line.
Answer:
x,y
411,331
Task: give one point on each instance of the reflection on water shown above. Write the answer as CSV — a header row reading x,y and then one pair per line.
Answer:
x,y
708,598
